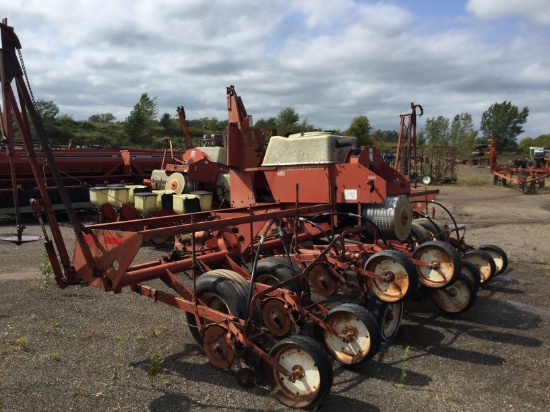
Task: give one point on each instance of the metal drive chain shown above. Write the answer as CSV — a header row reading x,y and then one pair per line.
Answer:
x,y
40,125
22,62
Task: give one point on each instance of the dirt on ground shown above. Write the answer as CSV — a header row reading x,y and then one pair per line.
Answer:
x,y
83,349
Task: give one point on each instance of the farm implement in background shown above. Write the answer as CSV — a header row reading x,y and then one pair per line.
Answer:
x,y
528,175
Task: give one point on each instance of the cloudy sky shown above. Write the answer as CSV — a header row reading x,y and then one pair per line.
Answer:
x,y
330,60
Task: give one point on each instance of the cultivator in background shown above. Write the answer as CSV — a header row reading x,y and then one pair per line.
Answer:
x,y
407,160
441,163
438,164
308,215
527,175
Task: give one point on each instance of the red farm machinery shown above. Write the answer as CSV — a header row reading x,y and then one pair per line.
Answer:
x,y
528,175
263,233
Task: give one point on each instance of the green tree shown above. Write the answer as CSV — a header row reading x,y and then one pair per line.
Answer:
x,y
505,120
360,127
524,144
169,124
267,126
142,118
107,118
437,130
390,136
47,110
462,133
269,123
288,117
421,138
201,123
287,121
213,125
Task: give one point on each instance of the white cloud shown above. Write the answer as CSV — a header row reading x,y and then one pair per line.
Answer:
x,y
330,63
536,10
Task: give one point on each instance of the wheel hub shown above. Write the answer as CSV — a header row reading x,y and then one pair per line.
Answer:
x,y
349,334
389,277
451,292
298,372
435,265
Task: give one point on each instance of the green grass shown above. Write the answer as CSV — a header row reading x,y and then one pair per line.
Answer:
x,y
154,365
118,353
54,356
403,376
22,343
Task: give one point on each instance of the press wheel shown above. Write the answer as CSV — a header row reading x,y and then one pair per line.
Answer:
x,y
499,257
359,337
310,370
457,297
443,264
484,263
472,272
388,316
398,275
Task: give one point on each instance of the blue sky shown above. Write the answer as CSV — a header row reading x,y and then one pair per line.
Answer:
x,y
331,61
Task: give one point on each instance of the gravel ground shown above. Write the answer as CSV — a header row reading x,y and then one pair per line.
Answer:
x,y
85,350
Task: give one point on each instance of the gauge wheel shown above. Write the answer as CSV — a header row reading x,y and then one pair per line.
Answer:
x,y
310,368
443,264
435,227
427,180
484,263
399,275
457,297
159,241
221,292
419,235
275,269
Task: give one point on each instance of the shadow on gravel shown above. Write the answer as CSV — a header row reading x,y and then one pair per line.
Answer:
x,y
184,364
171,402
505,338
377,368
335,402
431,342
485,312
176,402
176,364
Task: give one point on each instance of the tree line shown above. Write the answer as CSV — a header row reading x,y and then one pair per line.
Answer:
x,y
144,128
